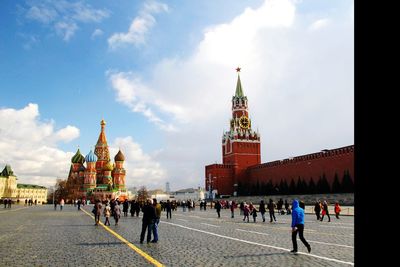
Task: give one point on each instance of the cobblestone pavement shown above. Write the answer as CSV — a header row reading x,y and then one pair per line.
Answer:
x,y
40,236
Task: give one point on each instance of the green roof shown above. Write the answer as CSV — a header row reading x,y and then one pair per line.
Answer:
x,y
31,186
78,158
7,171
239,90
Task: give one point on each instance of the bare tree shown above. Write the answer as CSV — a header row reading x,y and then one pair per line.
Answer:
x,y
61,189
142,194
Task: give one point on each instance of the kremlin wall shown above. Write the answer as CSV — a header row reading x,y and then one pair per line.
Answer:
x,y
328,162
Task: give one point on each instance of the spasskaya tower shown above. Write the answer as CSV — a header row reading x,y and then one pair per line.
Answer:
x,y
240,148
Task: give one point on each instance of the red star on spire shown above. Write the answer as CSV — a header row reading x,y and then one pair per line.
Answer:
x,y
237,69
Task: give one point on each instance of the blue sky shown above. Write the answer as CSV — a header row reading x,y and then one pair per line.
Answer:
x,y
162,75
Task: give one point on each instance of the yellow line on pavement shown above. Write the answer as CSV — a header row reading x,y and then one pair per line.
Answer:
x,y
129,244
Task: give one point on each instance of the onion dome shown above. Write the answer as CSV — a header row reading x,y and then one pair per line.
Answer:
x,y
78,158
91,157
119,156
108,167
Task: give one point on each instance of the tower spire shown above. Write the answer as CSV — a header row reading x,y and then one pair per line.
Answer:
x,y
239,90
102,137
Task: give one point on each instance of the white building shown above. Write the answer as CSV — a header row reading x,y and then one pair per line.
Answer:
x,y
189,193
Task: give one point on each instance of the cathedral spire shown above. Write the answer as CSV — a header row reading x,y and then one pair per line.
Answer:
x,y
101,149
239,90
102,137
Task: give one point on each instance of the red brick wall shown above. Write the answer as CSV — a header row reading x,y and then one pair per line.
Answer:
x,y
307,166
224,178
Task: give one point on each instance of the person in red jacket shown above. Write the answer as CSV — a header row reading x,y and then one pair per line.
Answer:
x,y
338,209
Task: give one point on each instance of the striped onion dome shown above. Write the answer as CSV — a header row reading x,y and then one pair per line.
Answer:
x,y
78,158
108,167
91,157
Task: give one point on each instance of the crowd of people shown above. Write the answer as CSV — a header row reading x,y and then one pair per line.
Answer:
x,y
8,202
151,213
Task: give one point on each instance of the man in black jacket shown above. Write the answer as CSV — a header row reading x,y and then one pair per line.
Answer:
x,y
149,216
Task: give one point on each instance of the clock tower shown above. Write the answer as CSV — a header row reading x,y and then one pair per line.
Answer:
x,y
241,144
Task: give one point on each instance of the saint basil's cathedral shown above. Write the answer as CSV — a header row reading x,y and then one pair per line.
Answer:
x,y
99,179
241,156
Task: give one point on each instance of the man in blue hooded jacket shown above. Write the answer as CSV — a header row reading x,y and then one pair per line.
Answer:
x,y
298,226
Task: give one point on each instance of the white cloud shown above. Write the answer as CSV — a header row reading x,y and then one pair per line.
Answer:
x,y
140,25
64,16
65,30
96,33
67,134
131,92
299,85
29,145
141,168
41,14
319,24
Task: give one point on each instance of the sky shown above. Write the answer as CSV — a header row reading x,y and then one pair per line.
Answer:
x,y
162,75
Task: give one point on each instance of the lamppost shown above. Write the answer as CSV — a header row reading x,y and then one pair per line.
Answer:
x,y
210,187
212,193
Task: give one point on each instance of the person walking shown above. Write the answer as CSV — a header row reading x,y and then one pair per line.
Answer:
x,y
254,213
149,216
117,212
169,209
241,206
279,206
97,212
55,204
62,204
218,208
298,226
157,207
262,210
233,206
338,209
132,209
125,207
325,211
287,207
317,210
246,212
271,208
137,208
107,214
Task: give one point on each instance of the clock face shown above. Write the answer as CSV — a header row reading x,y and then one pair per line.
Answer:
x,y
244,122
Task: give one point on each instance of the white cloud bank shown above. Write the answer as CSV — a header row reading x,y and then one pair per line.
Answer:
x,y
29,145
140,25
63,16
296,71
141,168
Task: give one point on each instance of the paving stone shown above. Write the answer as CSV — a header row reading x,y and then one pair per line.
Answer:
x,y
40,236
